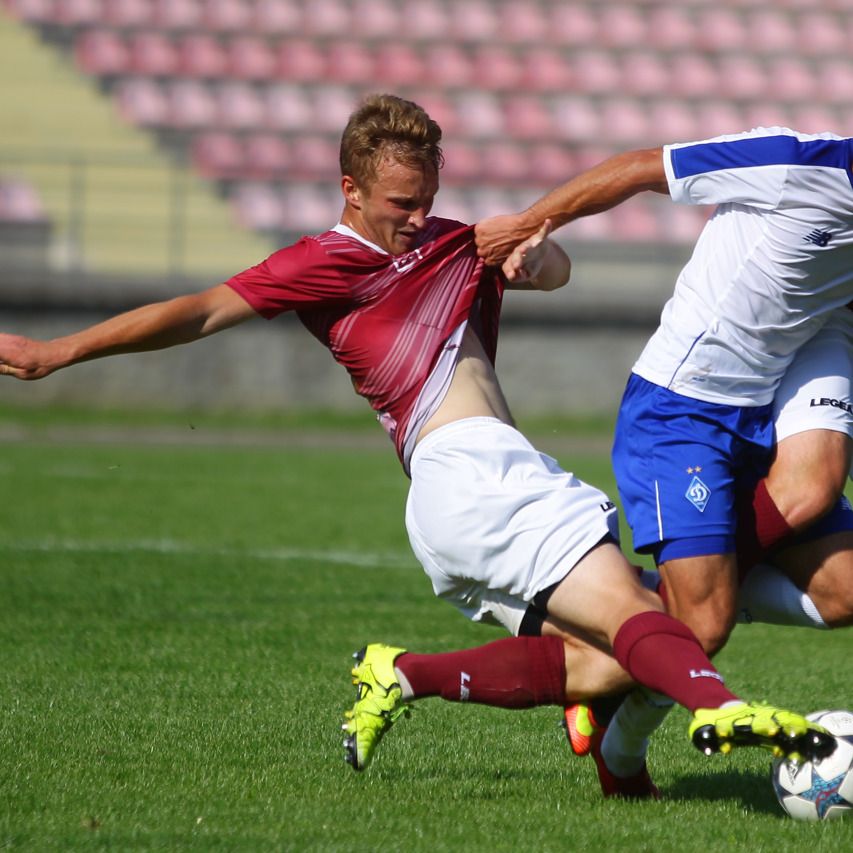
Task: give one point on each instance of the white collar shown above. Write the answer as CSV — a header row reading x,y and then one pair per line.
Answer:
x,y
348,232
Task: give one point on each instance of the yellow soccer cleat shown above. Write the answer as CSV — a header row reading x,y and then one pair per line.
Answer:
x,y
378,702
783,732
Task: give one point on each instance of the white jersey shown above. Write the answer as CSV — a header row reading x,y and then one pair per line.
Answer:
x,y
770,266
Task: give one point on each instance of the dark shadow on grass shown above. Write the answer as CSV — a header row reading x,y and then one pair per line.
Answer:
x,y
753,790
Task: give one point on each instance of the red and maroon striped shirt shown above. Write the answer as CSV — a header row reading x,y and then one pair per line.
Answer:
x,y
385,318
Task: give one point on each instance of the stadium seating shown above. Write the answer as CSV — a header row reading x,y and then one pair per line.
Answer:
x,y
258,90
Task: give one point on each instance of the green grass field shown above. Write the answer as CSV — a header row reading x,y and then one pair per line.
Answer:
x,y
176,632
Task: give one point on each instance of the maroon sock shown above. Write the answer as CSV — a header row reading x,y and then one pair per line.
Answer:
x,y
516,672
760,527
662,653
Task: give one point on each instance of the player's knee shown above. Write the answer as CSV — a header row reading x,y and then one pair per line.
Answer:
x,y
812,504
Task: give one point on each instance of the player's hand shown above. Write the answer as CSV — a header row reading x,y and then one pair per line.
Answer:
x,y
23,357
525,261
497,236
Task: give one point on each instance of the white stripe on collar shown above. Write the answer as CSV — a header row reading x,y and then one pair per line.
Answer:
x,y
348,232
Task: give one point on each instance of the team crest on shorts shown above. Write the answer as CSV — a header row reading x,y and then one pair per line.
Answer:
x,y
698,494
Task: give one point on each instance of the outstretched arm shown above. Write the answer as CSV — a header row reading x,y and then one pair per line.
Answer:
x,y
151,327
599,188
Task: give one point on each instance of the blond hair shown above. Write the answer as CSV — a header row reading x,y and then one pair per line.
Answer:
x,y
387,125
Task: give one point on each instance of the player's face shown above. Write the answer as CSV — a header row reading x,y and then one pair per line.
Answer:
x,y
392,210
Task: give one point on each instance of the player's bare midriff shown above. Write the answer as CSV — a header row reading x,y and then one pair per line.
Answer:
x,y
474,390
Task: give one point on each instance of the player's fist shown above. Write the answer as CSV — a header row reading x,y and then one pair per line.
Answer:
x,y
23,357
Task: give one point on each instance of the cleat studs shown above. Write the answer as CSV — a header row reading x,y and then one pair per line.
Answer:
x,y
725,747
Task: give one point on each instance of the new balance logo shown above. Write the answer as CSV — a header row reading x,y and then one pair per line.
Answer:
x,y
818,237
464,692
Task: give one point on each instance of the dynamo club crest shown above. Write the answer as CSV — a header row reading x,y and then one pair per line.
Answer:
x,y
698,494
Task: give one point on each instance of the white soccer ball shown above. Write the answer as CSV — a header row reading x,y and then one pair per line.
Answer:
x,y
820,790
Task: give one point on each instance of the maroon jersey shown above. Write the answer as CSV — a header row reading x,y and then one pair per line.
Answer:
x,y
384,317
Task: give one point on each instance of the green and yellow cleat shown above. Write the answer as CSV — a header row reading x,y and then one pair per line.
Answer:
x,y
783,732
378,704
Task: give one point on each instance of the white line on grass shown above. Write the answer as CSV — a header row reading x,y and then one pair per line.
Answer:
x,y
364,559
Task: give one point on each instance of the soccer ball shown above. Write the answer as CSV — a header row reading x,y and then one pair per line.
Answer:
x,y
819,790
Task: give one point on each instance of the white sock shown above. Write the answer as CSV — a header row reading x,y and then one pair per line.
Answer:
x,y
405,687
626,740
770,596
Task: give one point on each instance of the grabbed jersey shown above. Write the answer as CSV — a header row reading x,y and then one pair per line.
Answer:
x,y
385,318
772,263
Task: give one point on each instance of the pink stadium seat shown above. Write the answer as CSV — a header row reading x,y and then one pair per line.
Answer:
x,y
376,19
790,80
771,31
496,67
681,223
217,155
327,18
129,14
635,221
523,23
31,10
102,53
227,15
596,72
202,55
672,120
449,66
821,34
551,164
572,24
692,75
720,29
475,21
742,77
251,58
439,107
178,14
504,162
625,122
452,203
240,106
267,156
332,107
19,201
622,25
142,101
191,105
309,209
479,114
75,13
598,227
398,64
426,19
288,107
546,70
349,61
714,118
153,54
463,162
644,73
765,114
576,119
258,207
835,81
315,156
670,27
527,117
301,60
277,17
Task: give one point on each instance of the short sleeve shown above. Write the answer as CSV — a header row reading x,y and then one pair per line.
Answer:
x,y
298,276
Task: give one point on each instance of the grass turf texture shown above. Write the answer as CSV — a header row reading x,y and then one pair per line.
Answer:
x,y
176,632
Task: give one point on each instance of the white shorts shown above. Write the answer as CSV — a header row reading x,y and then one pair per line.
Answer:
x,y
815,392
493,521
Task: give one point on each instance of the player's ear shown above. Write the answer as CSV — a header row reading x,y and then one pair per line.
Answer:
x,y
351,192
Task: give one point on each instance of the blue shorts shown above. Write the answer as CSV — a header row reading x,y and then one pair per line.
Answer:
x,y
679,464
